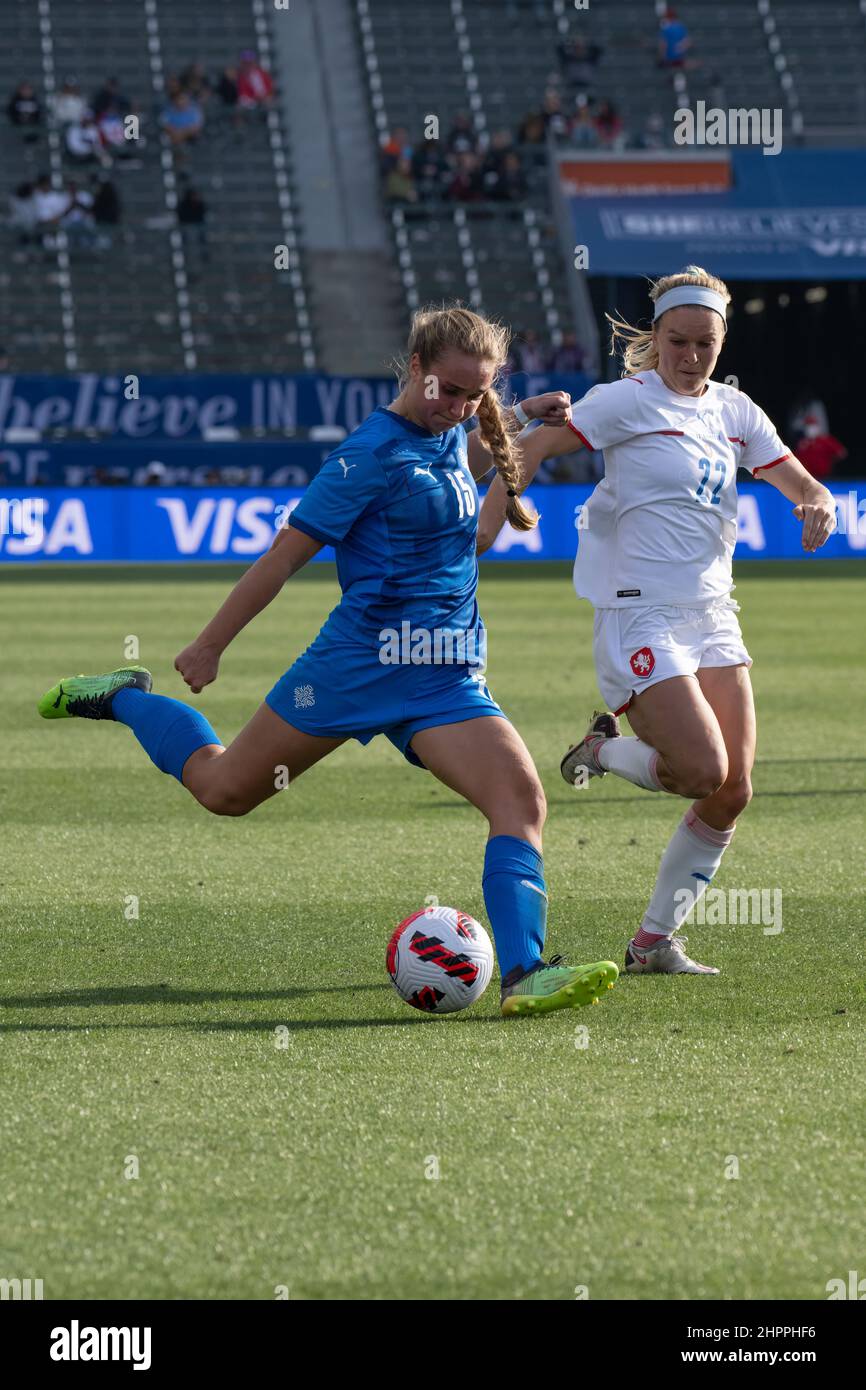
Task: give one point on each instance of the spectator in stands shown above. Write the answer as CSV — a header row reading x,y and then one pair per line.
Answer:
x,y
397,146
109,94
808,409
578,61
68,104
25,110
155,474
818,450
530,354
674,41
113,135
493,164
654,135
501,144
609,126
255,84
84,142
555,119
400,185
227,88
182,120
466,185
77,218
50,204
192,216
569,356
430,170
461,137
511,185
4,360
532,129
106,201
24,215
196,83
581,129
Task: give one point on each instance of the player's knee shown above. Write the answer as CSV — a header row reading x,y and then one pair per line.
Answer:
x,y
530,804
735,796
707,776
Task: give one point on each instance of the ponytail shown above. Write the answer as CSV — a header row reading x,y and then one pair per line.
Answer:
x,y
499,437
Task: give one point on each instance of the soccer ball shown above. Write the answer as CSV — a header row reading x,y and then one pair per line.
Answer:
x,y
440,960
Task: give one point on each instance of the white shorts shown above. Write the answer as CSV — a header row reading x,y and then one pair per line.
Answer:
x,y
635,648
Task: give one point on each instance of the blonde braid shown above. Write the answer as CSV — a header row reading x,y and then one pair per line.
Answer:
x,y
499,436
434,331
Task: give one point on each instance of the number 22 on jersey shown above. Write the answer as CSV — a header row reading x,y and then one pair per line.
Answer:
x,y
708,469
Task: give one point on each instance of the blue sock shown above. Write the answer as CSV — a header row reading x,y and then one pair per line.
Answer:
x,y
168,730
516,901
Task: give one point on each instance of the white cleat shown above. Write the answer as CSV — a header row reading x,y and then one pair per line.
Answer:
x,y
667,957
581,761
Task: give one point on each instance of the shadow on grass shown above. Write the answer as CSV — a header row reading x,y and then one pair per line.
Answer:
x,y
566,800
261,1025
163,994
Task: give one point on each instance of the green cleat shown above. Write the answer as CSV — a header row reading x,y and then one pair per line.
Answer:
x,y
556,986
90,697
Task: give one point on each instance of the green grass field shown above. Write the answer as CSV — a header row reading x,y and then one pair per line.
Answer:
x,y
304,1165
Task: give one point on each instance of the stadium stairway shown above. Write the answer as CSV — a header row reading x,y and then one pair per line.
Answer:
x,y
357,304
500,258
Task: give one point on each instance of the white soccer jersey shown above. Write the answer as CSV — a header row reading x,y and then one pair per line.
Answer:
x,y
660,527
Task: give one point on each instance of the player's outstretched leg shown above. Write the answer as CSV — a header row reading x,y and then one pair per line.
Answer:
x,y
266,754
487,762
91,697
168,730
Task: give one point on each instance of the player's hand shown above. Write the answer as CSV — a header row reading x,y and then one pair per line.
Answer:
x,y
198,664
819,522
553,408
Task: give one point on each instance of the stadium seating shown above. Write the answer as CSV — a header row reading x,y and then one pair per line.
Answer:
x,y
144,305
495,59
155,303
503,259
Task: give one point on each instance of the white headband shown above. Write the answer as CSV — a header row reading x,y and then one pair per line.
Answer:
x,y
690,294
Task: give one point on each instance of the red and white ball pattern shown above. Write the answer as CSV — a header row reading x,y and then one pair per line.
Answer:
x,y
440,960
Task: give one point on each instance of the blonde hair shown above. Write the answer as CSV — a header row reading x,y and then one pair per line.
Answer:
x,y
639,353
436,330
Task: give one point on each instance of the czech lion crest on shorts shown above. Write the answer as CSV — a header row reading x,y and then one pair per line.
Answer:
x,y
642,662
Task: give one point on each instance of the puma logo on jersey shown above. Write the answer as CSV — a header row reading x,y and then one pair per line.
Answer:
x,y
346,466
425,472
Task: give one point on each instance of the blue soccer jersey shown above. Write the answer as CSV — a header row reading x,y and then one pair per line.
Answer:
x,y
400,507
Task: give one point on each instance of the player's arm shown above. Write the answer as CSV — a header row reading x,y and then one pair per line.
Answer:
x,y
291,549
534,446
814,504
552,409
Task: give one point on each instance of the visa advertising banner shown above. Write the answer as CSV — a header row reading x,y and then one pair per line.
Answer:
x,y
153,525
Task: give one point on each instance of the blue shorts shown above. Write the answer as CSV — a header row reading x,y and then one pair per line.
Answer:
x,y
339,690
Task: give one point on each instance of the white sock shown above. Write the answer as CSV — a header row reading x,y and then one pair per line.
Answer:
x,y
689,862
628,757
